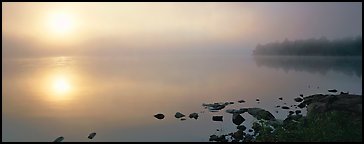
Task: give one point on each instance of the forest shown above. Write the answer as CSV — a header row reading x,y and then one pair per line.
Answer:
x,y
350,46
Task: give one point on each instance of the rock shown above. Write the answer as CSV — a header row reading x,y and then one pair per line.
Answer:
x,y
193,115
332,90
259,113
231,102
179,115
241,101
298,112
213,111
301,95
159,116
217,118
319,103
276,111
298,99
250,130
182,119
343,93
234,111
291,112
301,105
257,99
215,106
241,127
238,119
59,139
91,135
238,135
285,107
280,98
278,106
213,138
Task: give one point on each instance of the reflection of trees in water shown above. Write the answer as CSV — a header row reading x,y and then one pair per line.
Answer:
x,y
346,65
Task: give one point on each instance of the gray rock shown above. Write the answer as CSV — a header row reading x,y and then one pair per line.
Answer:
x,y
59,139
238,119
159,116
298,99
241,101
280,98
182,119
332,90
291,112
217,118
285,107
193,115
259,113
91,135
179,115
234,111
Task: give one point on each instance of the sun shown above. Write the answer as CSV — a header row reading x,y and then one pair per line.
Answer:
x,y
61,85
61,23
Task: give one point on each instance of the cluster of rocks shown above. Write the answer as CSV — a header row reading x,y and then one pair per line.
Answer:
x,y
178,115
61,138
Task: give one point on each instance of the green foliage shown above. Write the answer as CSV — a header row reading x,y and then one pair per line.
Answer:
x,y
327,127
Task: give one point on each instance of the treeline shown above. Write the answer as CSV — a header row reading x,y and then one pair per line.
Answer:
x,y
313,47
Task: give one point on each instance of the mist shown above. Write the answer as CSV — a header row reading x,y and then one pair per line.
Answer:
x,y
171,28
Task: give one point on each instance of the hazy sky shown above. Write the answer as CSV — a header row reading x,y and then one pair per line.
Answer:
x,y
82,28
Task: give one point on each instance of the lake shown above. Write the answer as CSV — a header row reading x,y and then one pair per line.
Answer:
x,y
116,97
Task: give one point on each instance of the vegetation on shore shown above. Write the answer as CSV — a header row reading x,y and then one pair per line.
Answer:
x,y
313,47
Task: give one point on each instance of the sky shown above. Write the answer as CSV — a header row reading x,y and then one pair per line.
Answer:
x,y
51,29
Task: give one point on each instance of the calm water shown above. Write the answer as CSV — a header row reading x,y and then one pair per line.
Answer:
x,y
117,97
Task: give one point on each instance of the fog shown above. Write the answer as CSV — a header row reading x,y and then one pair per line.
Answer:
x,y
169,28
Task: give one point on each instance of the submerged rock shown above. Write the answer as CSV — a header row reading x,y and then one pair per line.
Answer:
x,y
259,113
238,119
285,107
159,116
179,115
59,139
193,115
91,135
332,90
217,118
298,99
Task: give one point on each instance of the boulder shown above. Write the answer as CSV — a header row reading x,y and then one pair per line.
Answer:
x,y
238,119
179,115
217,118
59,139
91,135
159,116
298,99
241,127
241,101
259,113
193,115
